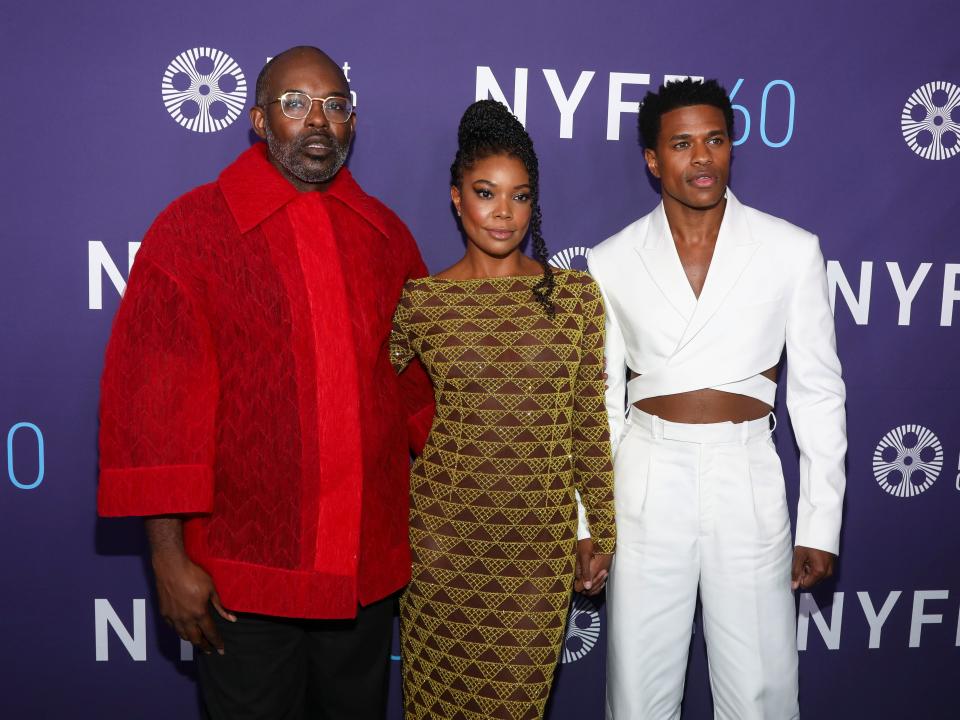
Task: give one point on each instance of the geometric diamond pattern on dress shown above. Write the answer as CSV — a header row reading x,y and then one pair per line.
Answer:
x,y
520,423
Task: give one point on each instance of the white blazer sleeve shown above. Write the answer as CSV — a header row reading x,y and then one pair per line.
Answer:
x,y
815,400
615,361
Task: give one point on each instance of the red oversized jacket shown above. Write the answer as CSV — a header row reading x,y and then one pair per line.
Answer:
x,y
248,385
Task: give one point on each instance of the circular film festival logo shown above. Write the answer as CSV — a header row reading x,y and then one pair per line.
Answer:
x,y
930,121
564,258
204,89
907,460
583,629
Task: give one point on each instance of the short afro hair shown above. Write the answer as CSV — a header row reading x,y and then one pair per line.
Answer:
x,y
678,94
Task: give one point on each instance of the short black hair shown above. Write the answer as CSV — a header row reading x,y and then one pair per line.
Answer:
x,y
678,94
261,86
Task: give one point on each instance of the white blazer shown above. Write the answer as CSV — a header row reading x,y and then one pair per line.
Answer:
x,y
766,288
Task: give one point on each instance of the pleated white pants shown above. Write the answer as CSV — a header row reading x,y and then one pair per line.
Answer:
x,y
700,506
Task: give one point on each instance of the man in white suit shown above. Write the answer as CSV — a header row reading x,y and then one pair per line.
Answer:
x,y
702,296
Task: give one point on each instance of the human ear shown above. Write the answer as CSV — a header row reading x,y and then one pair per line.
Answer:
x,y
455,197
259,121
650,156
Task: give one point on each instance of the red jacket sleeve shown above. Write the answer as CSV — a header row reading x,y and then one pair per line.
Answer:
x,y
158,402
416,390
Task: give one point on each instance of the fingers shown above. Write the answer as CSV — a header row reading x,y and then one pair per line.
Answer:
x,y
810,566
185,593
599,571
578,574
598,585
211,636
819,567
797,571
583,577
200,631
191,632
218,606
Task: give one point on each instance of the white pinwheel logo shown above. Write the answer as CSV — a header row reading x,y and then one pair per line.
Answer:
x,y
930,121
204,89
908,460
583,629
564,258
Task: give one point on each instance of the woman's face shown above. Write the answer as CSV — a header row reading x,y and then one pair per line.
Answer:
x,y
494,202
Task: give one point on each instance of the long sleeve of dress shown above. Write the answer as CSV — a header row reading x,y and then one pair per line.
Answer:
x,y
416,389
593,469
401,350
158,402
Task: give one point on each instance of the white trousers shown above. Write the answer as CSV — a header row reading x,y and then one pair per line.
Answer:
x,y
700,506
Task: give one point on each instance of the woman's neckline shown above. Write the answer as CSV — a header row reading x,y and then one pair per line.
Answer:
x,y
492,278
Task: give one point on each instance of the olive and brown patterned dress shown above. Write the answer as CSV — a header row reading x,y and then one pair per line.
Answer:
x,y
520,423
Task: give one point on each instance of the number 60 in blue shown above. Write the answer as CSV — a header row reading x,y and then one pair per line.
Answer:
x,y
791,111
10,470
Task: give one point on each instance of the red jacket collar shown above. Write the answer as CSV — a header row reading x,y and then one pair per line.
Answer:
x,y
255,189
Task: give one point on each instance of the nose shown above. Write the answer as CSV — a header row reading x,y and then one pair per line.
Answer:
x,y
315,117
701,154
503,209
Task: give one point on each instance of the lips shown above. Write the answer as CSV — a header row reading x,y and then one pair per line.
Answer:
x,y
317,144
703,180
500,233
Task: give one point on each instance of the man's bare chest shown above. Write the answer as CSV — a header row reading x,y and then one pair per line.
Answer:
x,y
695,260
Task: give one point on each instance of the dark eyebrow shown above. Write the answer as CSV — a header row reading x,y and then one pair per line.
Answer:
x,y
687,136
493,184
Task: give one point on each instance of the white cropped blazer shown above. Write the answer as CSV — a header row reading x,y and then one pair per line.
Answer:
x,y
766,288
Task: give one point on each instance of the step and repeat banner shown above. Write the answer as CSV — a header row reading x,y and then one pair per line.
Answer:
x,y
847,123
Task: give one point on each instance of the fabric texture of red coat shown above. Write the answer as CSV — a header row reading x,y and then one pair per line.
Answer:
x,y
248,387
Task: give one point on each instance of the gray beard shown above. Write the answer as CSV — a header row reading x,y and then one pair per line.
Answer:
x,y
290,157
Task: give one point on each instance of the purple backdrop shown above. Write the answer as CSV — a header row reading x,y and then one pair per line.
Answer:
x,y
853,120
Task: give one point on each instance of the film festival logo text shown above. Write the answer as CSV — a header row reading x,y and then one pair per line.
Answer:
x,y
907,460
204,89
930,121
26,456
774,123
913,619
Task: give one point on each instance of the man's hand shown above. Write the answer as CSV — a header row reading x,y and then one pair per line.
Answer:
x,y
810,566
599,570
592,569
185,591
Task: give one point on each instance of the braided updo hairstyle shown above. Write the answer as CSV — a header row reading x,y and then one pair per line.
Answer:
x,y
488,128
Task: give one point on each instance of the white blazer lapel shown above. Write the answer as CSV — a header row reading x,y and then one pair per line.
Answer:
x,y
659,256
733,252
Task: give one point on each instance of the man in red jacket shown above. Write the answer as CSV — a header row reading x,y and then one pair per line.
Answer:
x,y
250,412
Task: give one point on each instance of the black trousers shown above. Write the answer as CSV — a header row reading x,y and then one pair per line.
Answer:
x,y
282,669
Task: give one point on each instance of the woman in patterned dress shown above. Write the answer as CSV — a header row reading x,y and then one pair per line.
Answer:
x,y
515,352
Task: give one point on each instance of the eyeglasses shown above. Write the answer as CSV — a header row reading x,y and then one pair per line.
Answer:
x,y
297,105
